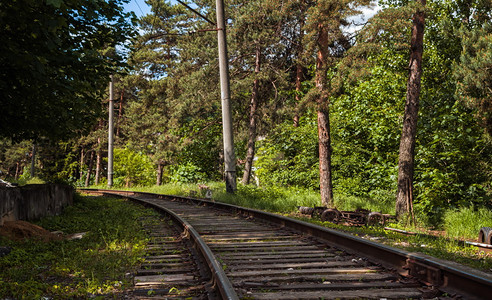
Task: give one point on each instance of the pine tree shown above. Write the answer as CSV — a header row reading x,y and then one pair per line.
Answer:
x,y
254,34
54,65
474,73
409,131
326,36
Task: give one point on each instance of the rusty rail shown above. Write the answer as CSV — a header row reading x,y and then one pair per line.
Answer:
x,y
447,276
220,280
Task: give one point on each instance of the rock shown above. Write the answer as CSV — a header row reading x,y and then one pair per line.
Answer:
x,y
76,236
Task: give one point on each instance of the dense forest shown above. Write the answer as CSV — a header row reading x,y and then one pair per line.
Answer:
x,y
396,107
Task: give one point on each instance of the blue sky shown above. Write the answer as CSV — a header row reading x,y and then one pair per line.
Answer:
x,y
139,7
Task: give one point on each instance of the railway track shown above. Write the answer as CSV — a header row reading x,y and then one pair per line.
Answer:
x,y
170,266
249,254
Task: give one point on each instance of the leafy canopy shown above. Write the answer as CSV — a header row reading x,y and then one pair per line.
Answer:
x,y
55,63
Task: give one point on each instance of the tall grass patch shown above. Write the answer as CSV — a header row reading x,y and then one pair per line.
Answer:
x,y
274,199
349,202
269,198
466,222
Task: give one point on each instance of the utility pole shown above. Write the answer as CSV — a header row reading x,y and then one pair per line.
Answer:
x,y
229,156
110,134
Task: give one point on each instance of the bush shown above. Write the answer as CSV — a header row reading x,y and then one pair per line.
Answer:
x,y
132,168
187,173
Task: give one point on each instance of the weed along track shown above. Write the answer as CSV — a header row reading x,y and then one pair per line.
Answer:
x,y
249,254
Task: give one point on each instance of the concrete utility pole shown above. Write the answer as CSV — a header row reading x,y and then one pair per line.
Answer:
x,y
229,156
110,134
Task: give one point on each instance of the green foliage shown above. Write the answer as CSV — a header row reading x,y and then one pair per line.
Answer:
x,y
473,72
65,269
54,68
175,115
366,130
132,168
201,141
187,173
465,223
13,157
26,178
452,155
289,156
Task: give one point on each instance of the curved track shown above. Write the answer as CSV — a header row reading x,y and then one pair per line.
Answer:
x,y
170,266
264,256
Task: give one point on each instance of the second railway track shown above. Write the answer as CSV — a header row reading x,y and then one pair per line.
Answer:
x,y
262,256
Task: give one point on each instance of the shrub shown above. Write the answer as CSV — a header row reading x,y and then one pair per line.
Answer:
x,y
187,173
132,168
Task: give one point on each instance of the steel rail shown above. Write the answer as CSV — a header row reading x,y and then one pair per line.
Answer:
x,y
449,277
220,279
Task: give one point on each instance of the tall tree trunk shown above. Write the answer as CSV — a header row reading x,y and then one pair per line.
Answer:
x,y
17,170
325,183
160,167
82,160
407,142
299,67
89,169
253,106
98,162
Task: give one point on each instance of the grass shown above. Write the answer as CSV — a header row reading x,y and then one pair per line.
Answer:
x,y
466,222
28,180
272,199
436,246
462,224
67,269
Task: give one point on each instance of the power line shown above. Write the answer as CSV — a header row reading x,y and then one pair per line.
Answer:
x,y
136,2
196,12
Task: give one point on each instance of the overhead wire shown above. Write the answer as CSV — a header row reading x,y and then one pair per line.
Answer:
x,y
196,12
138,5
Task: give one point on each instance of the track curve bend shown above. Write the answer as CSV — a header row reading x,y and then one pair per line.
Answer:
x,y
265,256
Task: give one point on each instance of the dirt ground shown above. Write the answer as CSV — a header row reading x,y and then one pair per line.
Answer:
x,y
21,230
